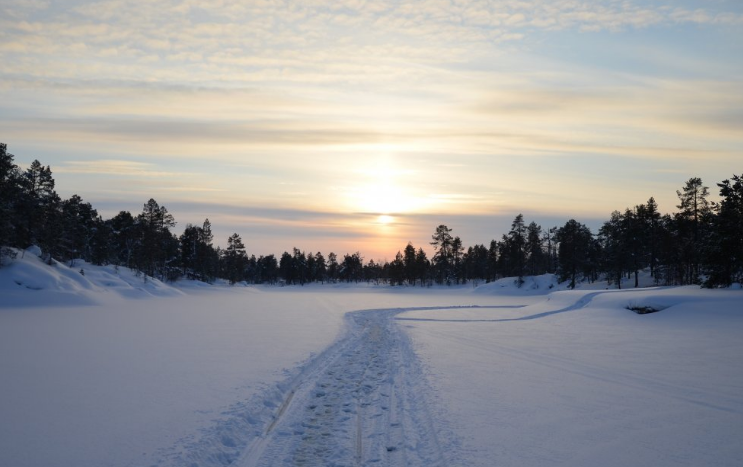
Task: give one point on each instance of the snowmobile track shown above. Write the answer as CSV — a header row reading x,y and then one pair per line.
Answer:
x,y
363,402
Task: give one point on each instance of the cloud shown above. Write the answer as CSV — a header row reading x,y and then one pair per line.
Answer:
x,y
125,168
481,105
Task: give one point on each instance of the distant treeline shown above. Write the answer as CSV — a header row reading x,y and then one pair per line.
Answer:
x,y
701,243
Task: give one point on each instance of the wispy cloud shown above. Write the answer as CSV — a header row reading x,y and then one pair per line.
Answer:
x,y
125,168
373,107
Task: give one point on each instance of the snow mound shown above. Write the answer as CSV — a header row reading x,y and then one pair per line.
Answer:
x,y
30,281
532,285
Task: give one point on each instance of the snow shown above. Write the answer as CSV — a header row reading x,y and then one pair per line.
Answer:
x,y
103,369
79,284
594,384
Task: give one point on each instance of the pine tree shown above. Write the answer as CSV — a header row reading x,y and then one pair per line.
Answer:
x,y
409,265
457,253
234,259
321,268
299,263
574,246
422,266
693,208
333,273
286,268
535,250
124,239
443,258
653,220
80,222
492,261
724,251
38,204
397,270
514,254
157,249
612,236
10,194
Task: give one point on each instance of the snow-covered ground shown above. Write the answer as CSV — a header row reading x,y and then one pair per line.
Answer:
x,y
102,369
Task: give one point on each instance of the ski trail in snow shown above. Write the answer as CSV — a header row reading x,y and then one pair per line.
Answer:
x,y
364,403
282,409
581,303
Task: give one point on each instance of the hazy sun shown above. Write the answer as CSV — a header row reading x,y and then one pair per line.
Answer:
x,y
382,190
385,219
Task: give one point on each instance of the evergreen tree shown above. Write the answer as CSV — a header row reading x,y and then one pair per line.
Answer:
x,y
513,250
652,216
612,237
634,239
693,209
574,246
724,251
190,241
492,261
351,269
286,268
321,268
423,267
80,223
457,253
535,250
300,266
268,269
157,250
10,198
397,270
124,238
333,268
409,264
373,272
234,259
39,205
443,259
551,255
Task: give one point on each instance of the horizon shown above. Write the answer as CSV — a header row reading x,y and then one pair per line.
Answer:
x,y
363,126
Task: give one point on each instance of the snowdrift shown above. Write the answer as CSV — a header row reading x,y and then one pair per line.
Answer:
x,y
30,281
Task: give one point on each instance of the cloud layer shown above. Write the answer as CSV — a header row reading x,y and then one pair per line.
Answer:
x,y
381,107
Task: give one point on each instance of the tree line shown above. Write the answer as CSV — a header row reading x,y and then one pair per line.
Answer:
x,y
700,243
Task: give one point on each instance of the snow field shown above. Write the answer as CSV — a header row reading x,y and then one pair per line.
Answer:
x,y
120,384
269,376
593,384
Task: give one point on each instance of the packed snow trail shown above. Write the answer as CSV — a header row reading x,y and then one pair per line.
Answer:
x,y
361,403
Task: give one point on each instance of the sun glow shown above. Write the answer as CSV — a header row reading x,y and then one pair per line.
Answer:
x,y
381,190
385,219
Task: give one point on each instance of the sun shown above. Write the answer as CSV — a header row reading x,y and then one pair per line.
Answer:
x,y
384,219
383,189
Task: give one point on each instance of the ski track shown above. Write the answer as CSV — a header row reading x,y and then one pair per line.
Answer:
x,y
363,404
364,401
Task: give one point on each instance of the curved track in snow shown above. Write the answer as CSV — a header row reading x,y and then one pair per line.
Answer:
x,y
364,401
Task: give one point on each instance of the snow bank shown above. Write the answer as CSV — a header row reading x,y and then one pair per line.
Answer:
x,y
30,281
547,283
532,285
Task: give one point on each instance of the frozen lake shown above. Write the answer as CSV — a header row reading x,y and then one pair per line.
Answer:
x,y
303,376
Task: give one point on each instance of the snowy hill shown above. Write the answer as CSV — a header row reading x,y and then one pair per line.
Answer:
x,y
548,283
30,281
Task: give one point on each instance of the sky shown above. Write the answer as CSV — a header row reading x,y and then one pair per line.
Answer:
x,y
361,125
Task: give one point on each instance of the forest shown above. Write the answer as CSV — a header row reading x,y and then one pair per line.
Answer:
x,y
701,243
